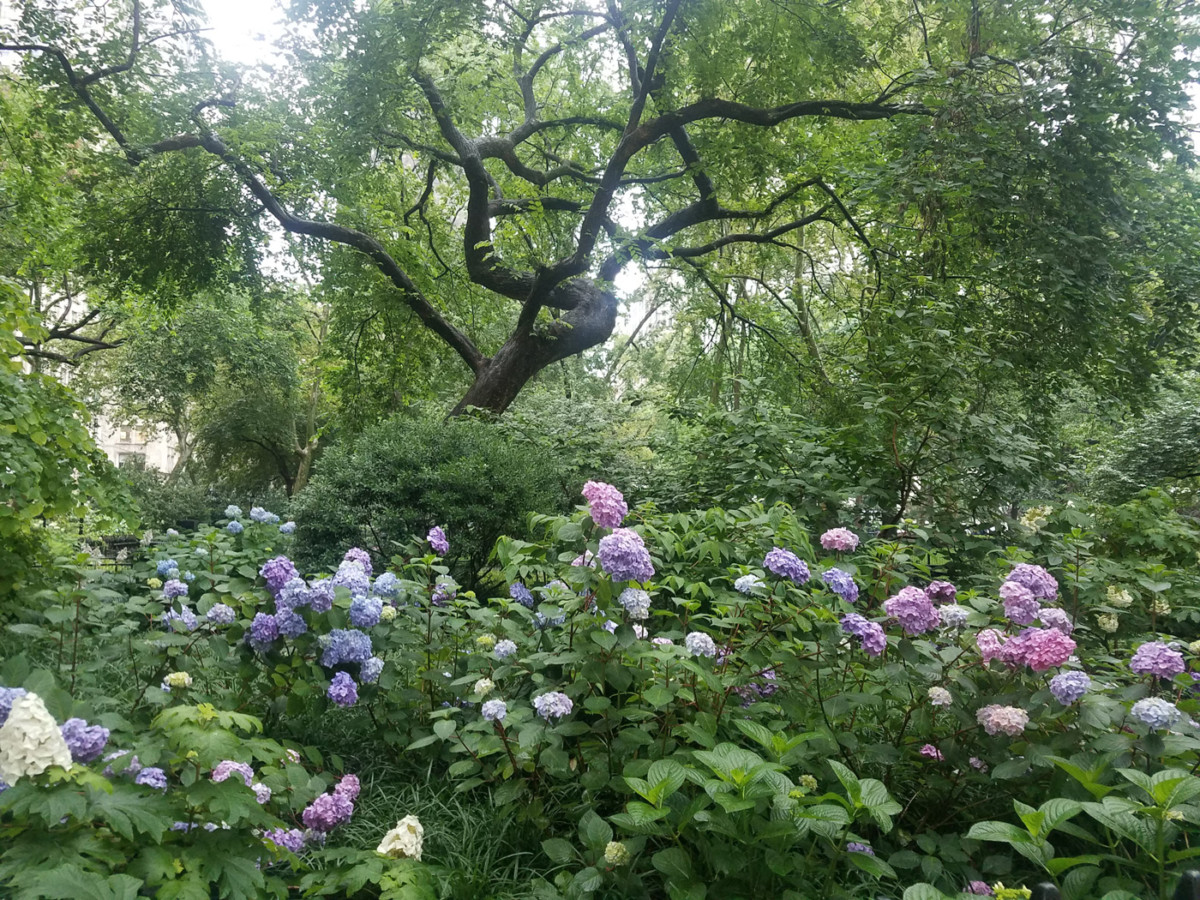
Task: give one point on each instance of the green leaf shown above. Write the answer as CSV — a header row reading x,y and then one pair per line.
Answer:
x,y
999,831
923,891
673,863
559,850
444,728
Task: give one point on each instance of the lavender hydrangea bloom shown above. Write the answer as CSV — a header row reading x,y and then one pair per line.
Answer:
x,y
504,649
320,595
979,887
352,576
86,742
606,505
277,571
553,705
1040,583
360,556
1069,687
1019,603
1156,712
941,591
226,767
841,583
345,645
623,555
1053,617
1158,659
165,567
856,847
521,594
327,812
342,690
494,710
914,610
386,585
365,612
636,603
370,670
152,776
761,688
264,631
235,527
700,644
221,614
444,592
840,539
292,595
263,516
954,616
348,786
7,696
291,839
262,793
747,584
786,564
869,634
184,620
174,588
290,623
287,528
438,541
939,696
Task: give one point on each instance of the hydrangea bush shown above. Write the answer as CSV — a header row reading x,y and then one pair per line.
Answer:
x,y
715,702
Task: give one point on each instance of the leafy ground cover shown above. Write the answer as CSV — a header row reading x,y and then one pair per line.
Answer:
x,y
706,704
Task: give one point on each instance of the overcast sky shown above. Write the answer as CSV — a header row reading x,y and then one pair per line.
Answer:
x,y
242,30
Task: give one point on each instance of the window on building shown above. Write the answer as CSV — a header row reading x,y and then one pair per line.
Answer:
x,y
123,458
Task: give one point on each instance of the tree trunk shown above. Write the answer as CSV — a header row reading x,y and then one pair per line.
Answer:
x,y
587,323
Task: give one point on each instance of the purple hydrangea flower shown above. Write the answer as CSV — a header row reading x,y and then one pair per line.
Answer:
x,y
345,645
606,505
1019,603
264,631
365,612
761,688
553,705
914,610
235,528
1158,659
494,710
221,614
353,577
386,585
184,620
438,541
1039,582
291,839
152,776
327,812
954,616
342,690
981,888
348,786
85,741
226,767
786,564
320,595
856,847
623,555
1053,617
444,592
932,752
262,793
586,560
941,591
1156,712
504,649
7,696
360,556
174,588
869,633
290,623
370,670
1069,687
521,594
841,583
292,595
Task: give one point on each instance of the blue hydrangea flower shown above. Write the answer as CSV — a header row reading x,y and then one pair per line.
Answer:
x,y
345,645
233,512
320,595
184,620
174,588
287,528
623,555
342,690
221,614
85,741
386,585
234,527
841,583
189,577
291,623
370,670
786,564
264,631
352,576
365,612
521,594
165,567
152,776
262,516
1156,713
292,595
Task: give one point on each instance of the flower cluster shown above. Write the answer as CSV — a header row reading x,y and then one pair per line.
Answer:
x,y
939,696
606,505
438,541
869,634
913,609
404,841
521,594
494,710
932,752
1156,712
841,583
996,719
342,690
30,741
1069,687
941,591
636,603
86,742
553,705
700,644
1158,659
747,584
174,588
840,539
278,572
345,645
623,555
786,564
1039,582
330,810
360,556
1019,603
262,516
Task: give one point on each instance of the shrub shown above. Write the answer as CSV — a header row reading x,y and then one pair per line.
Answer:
x,y
401,477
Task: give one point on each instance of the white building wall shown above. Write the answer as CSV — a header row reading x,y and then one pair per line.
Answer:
x,y
122,442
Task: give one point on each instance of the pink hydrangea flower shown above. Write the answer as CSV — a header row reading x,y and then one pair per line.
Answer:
x,y
996,719
1045,648
988,642
605,504
841,539
932,752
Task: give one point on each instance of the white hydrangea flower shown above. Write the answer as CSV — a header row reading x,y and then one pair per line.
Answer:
x,y
30,741
1108,622
404,841
1118,597
483,687
1160,607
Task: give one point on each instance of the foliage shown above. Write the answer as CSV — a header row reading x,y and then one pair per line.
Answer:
x,y
407,474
